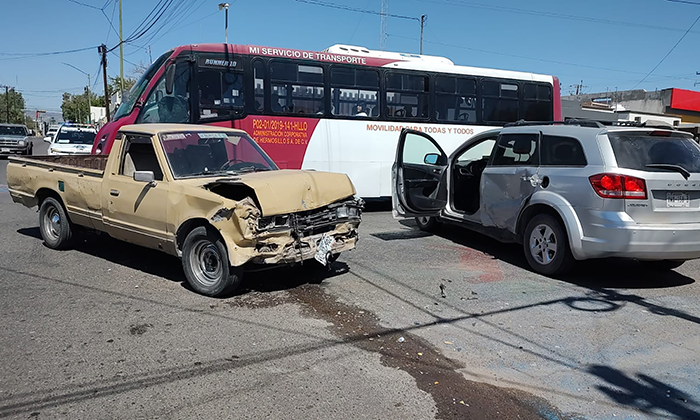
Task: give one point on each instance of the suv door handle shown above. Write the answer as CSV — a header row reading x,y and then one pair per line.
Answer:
x,y
114,192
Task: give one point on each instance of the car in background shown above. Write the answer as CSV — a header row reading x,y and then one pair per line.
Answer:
x,y
72,140
51,133
14,139
565,191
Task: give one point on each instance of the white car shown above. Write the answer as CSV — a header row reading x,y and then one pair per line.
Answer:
x,y
71,140
51,133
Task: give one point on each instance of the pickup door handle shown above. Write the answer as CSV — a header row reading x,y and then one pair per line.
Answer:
x,y
114,192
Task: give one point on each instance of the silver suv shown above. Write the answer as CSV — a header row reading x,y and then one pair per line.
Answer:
x,y
565,191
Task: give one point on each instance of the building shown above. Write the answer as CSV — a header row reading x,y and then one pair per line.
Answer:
x,y
672,106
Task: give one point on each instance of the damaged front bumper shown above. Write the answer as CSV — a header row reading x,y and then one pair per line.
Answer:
x,y
319,234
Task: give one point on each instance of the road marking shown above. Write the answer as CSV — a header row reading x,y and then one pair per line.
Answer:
x,y
3,188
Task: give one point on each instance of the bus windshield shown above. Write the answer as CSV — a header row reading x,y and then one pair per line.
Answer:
x,y
137,90
205,153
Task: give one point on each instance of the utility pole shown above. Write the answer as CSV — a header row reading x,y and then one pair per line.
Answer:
x,y
103,51
578,88
422,25
7,104
225,6
384,25
121,58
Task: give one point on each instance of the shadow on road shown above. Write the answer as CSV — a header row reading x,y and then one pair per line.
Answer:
x,y
159,264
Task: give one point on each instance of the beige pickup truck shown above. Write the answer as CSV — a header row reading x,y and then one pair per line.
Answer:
x,y
209,195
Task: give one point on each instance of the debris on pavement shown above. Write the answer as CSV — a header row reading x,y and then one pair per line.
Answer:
x,y
401,340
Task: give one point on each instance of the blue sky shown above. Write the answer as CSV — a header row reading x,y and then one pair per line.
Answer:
x,y
609,44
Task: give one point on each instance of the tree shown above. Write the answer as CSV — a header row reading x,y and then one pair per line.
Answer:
x,y
16,105
75,108
115,84
139,69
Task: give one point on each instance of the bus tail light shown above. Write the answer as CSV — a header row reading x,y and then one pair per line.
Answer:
x,y
619,186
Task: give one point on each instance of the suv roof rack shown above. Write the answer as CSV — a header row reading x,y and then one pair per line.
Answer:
x,y
596,123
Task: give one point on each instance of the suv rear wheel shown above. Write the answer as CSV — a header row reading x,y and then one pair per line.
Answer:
x,y
546,246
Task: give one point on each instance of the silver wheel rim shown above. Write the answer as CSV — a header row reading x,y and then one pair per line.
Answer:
x,y
52,224
543,244
206,263
423,220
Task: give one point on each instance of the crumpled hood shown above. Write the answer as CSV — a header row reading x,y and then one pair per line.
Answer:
x,y
290,191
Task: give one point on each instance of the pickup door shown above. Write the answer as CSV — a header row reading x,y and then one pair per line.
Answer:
x,y
136,211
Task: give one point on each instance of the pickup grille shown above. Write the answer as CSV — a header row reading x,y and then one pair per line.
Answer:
x,y
8,142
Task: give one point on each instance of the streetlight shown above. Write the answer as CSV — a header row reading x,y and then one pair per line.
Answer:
x,y
88,92
225,6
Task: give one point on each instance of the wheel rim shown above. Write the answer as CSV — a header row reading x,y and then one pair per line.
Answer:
x,y
52,223
423,220
206,263
543,244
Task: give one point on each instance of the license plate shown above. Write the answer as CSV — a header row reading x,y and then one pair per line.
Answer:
x,y
3,150
680,200
325,245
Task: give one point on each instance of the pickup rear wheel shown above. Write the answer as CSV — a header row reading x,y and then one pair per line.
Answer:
x,y
206,265
55,226
547,247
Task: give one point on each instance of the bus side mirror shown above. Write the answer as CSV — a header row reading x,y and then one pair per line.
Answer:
x,y
169,79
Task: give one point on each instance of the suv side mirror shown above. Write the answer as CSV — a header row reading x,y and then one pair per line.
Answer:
x,y
144,176
47,139
170,79
433,159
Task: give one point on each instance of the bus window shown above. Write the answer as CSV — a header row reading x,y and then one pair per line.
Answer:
x,y
407,95
355,92
220,93
499,102
455,99
538,102
174,108
296,88
259,76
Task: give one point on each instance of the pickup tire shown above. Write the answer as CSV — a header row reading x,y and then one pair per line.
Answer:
x,y
546,246
206,265
56,228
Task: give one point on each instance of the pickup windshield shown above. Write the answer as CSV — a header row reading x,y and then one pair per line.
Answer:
x,y
207,153
137,90
656,151
76,137
6,130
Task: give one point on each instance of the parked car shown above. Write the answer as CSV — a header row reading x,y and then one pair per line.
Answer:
x,y
14,139
51,133
565,191
209,195
72,140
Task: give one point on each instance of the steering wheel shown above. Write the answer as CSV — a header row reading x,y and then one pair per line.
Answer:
x,y
400,113
230,164
464,117
177,112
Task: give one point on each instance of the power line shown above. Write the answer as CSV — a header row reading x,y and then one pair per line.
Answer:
x,y
463,3
668,53
86,5
529,58
17,56
684,2
354,9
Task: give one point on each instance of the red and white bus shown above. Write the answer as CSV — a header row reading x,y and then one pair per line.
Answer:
x,y
338,110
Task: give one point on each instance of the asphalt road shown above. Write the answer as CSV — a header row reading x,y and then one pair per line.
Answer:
x,y
109,330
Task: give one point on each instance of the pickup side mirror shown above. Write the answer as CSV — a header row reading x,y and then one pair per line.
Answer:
x,y
144,176
170,79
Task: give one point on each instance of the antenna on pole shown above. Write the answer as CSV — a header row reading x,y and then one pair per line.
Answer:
x,y
384,21
422,25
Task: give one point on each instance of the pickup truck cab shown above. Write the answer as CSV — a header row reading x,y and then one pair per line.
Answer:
x,y
209,195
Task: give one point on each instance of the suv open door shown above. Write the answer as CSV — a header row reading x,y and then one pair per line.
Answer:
x,y
419,187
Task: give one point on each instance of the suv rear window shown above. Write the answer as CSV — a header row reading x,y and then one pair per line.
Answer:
x,y
637,150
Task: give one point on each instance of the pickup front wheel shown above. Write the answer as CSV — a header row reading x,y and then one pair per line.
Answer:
x,y
206,264
55,227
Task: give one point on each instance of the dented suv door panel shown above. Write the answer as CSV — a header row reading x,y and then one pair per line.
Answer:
x,y
510,179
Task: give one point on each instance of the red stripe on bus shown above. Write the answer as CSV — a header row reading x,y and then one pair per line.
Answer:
x,y
284,139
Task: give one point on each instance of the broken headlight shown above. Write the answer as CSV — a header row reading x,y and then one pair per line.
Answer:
x,y
273,222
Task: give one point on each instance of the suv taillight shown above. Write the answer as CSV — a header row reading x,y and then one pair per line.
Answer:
x,y
619,186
